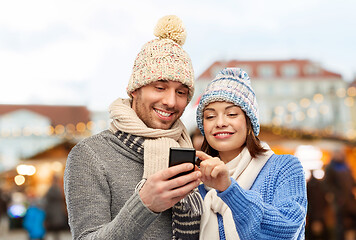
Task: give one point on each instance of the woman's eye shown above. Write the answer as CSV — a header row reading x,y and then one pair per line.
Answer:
x,y
232,114
209,117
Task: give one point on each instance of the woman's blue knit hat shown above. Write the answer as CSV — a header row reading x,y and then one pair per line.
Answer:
x,y
231,85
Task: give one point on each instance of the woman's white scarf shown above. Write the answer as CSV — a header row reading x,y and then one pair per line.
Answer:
x,y
157,141
244,169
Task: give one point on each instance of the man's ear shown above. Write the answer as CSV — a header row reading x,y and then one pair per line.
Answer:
x,y
134,94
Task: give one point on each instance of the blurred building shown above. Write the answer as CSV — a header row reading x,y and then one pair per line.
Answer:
x,y
35,141
296,94
351,101
26,130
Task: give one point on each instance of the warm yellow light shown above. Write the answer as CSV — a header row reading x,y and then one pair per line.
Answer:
x,y
276,121
277,131
31,170
304,102
279,110
351,134
57,166
318,173
59,129
70,128
43,171
292,106
50,130
351,91
349,101
23,169
90,125
318,98
19,180
27,131
81,127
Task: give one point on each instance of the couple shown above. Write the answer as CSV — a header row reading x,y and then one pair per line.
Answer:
x,y
118,184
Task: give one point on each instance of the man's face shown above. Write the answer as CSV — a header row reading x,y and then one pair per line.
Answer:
x,y
160,103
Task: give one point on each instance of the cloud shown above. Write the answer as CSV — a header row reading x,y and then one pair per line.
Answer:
x,y
83,51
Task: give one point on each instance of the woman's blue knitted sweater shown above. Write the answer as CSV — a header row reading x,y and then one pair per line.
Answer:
x,y
276,205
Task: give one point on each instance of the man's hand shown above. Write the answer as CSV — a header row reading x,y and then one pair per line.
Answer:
x,y
160,193
215,173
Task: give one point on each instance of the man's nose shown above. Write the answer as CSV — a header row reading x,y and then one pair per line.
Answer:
x,y
169,98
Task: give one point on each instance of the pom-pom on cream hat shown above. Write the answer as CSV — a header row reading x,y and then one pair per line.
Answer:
x,y
164,58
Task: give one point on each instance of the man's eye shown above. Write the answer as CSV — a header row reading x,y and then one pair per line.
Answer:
x,y
159,88
182,92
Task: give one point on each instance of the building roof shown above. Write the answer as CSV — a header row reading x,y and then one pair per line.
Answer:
x,y
56,113
252,68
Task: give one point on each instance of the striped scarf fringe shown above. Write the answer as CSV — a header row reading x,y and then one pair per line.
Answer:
x,y
186,213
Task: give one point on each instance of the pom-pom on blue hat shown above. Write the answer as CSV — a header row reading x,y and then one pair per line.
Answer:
x,y
231,85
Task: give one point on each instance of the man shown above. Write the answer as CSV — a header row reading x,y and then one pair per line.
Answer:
x,y
117,183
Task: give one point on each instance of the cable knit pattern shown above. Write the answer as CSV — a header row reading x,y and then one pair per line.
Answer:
x,y
99,184
164,58
275,207
231,85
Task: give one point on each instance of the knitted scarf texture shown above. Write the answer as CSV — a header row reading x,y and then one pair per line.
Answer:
x,y
244,169
156,143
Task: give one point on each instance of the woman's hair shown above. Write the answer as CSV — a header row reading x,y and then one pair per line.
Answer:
x,y
252,142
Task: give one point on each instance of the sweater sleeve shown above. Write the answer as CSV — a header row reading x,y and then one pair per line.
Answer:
x,y
88,201
279,215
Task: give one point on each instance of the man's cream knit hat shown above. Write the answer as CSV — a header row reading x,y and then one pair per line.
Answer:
x,y
164,58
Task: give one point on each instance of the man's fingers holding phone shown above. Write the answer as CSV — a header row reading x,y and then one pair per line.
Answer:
x,y
173,171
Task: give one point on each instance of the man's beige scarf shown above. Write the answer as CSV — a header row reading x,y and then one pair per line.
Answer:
x,y
244,169
156,157
157,141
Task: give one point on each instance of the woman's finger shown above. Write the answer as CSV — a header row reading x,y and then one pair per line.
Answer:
x,y
202,155
219,169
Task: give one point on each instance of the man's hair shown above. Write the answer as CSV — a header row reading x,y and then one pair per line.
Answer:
x,y
252,142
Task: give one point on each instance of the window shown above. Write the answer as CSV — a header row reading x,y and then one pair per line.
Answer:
x,y
266,71
289,70
311,69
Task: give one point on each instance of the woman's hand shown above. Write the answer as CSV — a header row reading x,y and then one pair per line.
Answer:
x,y
214,172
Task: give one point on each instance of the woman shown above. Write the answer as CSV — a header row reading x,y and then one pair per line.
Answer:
x,y
249,192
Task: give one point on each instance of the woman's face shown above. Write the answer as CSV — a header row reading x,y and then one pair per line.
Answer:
x,y
225,128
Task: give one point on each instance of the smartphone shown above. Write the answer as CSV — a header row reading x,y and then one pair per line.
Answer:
x,y
181,155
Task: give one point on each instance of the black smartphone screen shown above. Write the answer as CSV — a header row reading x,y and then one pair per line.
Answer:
x,y
181,155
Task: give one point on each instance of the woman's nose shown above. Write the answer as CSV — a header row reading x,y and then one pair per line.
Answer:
x,y
221,121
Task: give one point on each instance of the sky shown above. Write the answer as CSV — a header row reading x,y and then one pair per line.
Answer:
x,y
81,52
